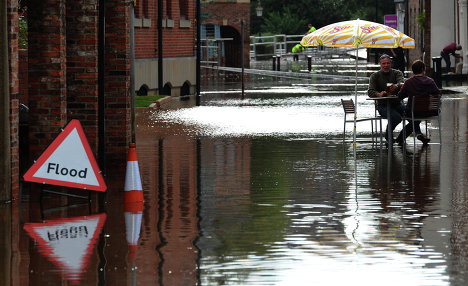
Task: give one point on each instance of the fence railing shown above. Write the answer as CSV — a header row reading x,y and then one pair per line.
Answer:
x,y
262,47
267,47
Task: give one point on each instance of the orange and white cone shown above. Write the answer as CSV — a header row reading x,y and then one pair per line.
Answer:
x,y
133,214
133,189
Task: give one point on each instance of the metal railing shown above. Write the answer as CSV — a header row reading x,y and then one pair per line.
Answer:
x,y
262,47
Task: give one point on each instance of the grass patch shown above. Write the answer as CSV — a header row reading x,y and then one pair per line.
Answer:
x,y
145,101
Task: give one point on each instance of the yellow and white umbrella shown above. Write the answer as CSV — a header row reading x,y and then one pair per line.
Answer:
x,y
357,33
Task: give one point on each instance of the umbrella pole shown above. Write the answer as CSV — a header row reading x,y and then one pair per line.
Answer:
x,y
355,104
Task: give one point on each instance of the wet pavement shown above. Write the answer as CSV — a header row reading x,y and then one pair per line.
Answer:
x,y
259,190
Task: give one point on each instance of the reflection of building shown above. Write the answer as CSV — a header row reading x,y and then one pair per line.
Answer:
x,y
171,180
166,253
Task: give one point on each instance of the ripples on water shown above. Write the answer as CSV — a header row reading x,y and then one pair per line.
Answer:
x,y
261,191
309,213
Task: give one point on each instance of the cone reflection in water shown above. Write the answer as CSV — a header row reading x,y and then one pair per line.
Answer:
x,y
133,189
133,214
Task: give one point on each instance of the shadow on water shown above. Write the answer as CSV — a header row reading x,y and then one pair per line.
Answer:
x,y
261,191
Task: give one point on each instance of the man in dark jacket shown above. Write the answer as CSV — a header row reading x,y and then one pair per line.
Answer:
x,y
418,85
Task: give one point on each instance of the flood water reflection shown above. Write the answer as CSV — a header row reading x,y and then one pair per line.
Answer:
x,y
261,191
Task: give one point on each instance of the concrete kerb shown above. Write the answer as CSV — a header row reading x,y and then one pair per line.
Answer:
x,y
160,102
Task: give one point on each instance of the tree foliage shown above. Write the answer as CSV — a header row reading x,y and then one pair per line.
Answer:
x,y
284,23
292,17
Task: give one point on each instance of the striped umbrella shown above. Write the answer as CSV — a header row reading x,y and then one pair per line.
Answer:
x,y
357,33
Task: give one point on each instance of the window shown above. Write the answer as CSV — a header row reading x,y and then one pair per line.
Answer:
x,y
169,9
183,9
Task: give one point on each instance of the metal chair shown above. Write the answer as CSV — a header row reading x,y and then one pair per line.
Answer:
x,y
423,108
349,108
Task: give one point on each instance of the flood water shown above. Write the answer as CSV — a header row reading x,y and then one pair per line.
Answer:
x,y
261,190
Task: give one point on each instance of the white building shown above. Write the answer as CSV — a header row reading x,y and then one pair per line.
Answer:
x,y
449,24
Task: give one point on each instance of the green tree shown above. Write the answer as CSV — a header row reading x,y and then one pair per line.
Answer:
x,y
23,32
277,14
284,23
421,19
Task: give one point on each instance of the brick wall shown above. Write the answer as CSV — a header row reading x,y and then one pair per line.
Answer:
x,y
177,41
117,80
82,70
14,92
47,72
414,31
23,76
13,77
63,73
427,34
231,14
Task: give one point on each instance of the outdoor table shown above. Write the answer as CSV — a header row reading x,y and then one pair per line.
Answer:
x,y
389,111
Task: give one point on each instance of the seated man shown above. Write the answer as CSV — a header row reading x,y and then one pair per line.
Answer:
x,y
418,85
378,88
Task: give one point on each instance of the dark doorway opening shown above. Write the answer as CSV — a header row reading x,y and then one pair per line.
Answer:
x,y
232,49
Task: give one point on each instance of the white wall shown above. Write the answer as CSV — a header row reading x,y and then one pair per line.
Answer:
x,y
443,29
176,71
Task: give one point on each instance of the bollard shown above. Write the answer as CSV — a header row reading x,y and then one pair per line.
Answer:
x,y
437,71
278,65
309,63
274,63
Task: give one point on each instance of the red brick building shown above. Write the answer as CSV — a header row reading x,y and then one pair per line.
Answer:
x,y
224,21
178,47
78,66
66,73
179,41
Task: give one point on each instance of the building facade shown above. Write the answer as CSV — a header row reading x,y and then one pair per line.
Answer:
x,y
442,30
178,41
227,21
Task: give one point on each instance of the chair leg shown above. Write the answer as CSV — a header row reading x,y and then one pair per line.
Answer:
x,y
414,133
404,131
381,139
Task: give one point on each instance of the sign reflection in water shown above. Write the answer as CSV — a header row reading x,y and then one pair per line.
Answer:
x,y
67,242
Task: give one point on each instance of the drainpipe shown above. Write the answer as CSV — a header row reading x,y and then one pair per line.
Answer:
x,y
160,47
101,88
463,10
132,69
5,169
242,55
198,17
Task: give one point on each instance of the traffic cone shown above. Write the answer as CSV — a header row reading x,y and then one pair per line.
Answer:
x,y
133,189
133,214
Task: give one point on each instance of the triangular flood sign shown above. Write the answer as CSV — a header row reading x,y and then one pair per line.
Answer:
x,y
68,243
68,161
